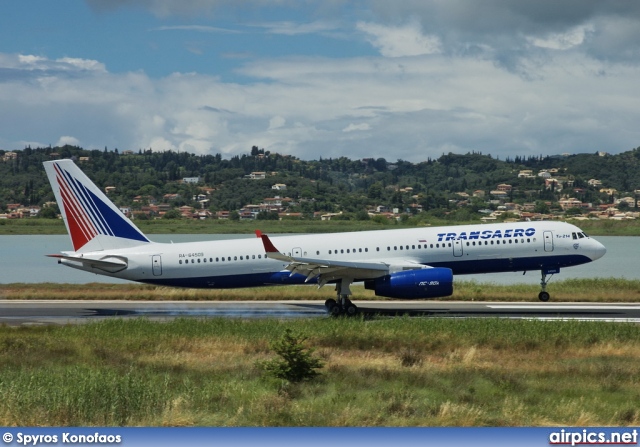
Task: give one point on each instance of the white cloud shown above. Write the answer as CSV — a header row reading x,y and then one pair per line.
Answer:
x,y
198,28
160,144
406,40
74,63
276,122
312,107
356,127
31,62
293,28
29,59
565,40
72,141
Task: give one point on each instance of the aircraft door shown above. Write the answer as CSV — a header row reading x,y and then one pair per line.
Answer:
x,y
548,241
296,252
156,263
457,248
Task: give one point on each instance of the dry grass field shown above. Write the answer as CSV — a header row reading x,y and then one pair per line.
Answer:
x,y
575,290
378,372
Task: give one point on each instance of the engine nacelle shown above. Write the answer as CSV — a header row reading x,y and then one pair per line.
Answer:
x,y
422,283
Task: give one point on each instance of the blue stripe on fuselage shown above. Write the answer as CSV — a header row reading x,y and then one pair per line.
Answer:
x,y
458,268
233,281
512,264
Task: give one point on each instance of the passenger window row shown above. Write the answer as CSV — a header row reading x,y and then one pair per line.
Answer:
x,y
221,259
366,250
504,242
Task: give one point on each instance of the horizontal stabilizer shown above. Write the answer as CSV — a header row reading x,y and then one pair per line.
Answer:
x,y
110,264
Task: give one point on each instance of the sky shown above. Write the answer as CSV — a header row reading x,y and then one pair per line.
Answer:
x,y
402,79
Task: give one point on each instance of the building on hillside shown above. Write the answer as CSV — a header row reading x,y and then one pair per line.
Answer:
x,y
496,194
256,176
144,199
526,173
570,202
10,156
277,202
594,182
628,200
552,183
609,191
186,211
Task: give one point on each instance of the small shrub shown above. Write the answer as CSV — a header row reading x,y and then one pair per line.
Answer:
x,y
296,363
409,358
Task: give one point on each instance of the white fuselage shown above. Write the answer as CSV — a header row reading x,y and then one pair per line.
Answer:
x,y
482,248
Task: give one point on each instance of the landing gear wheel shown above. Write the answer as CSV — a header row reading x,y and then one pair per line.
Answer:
x,y
333,307
351,310
335,311
544,295
330,303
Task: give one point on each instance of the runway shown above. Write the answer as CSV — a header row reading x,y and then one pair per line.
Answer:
x,y
32,312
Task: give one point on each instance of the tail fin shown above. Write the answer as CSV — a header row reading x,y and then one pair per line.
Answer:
x,y
93,221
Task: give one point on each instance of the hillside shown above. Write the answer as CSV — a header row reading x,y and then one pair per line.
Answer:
x,y
455,187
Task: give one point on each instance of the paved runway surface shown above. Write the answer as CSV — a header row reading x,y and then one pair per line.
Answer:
x,y
18,312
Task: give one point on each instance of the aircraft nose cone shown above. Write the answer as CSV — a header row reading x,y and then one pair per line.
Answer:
x,y
598,250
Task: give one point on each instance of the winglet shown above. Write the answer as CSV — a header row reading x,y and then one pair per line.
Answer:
x,y
268,245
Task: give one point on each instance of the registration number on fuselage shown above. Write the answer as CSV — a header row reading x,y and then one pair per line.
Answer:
x,y
191,255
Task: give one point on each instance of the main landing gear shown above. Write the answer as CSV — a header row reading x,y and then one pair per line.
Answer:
x,y
343,305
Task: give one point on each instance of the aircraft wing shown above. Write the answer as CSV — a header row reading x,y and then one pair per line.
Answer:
x,y
325,270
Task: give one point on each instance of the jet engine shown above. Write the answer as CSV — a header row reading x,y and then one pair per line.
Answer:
x,y
408,284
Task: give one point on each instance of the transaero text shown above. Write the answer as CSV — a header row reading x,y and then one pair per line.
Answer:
x,y
486,234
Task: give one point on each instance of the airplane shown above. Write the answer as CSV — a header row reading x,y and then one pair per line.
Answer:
x,y
416,263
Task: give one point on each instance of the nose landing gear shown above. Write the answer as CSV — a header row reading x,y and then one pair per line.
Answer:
x,y
544,295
